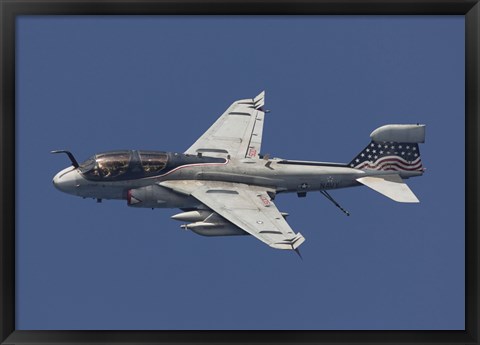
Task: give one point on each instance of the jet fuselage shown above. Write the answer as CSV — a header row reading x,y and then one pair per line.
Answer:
x,y
277,175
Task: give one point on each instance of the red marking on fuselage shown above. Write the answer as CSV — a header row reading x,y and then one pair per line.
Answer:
x,y
265,201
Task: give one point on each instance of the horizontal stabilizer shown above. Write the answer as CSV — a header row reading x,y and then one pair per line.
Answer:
x,y
391,186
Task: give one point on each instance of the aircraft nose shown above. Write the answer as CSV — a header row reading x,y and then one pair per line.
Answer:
x,y
66,180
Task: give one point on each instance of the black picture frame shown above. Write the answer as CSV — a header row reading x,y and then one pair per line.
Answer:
x,y
10,9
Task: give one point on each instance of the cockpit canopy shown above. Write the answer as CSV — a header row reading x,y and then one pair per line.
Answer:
x,y
123,165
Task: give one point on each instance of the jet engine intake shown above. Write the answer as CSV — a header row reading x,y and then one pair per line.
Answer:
x,y
155,196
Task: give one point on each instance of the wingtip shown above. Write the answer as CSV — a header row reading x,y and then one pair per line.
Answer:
x,y
259,100
260,95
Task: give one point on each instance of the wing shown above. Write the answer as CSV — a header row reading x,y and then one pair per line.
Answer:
x,y
248,207
237,133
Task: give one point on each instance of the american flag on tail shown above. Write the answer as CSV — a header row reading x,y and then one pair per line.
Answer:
x,y
389,156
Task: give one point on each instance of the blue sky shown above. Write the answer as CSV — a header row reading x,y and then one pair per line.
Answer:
x,y
91,84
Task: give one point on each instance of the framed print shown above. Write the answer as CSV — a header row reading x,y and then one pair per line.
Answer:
x,y
143,81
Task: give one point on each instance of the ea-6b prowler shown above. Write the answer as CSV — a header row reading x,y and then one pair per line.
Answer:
x,y
225,187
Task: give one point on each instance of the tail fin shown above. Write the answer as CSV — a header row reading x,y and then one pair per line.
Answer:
x,y
393,148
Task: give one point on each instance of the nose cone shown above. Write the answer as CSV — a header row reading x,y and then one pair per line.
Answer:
x,y
66,180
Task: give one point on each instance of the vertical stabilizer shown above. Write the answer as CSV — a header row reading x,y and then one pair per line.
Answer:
x,y
393,148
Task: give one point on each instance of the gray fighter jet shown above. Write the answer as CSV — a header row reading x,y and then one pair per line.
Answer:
x,y
225,187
